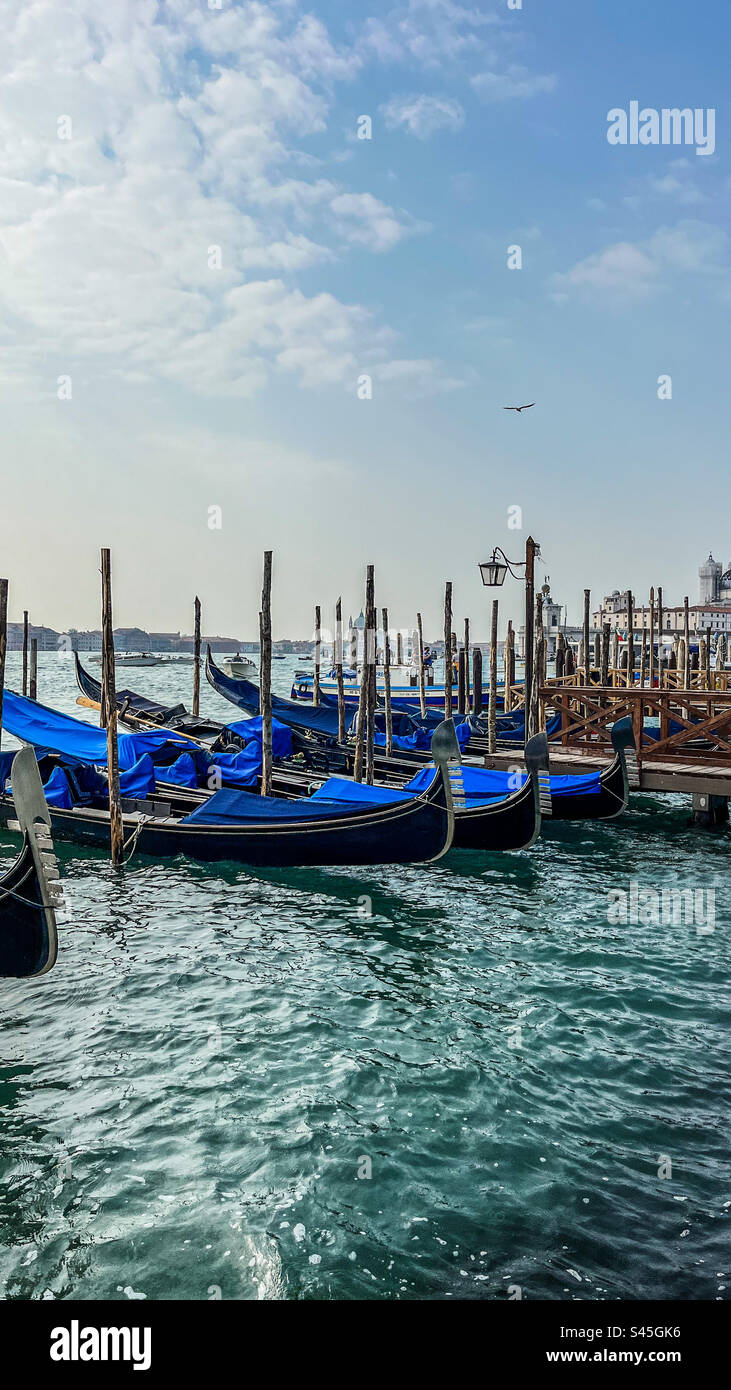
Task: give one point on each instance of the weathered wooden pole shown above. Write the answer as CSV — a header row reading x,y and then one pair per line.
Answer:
x,y
317,653
399,648
652,638
597,650
467,663
615,657
630,640
360,723
3,645
686,638
709,683
353,658
660,648
643,660
477,680
530,557
461,682
339,669
537,666
560,655
370,656
448,650
25,651
492,707
265,675
604,677
109,703
587,648
509,667
387,683
422,687
33,684
197,656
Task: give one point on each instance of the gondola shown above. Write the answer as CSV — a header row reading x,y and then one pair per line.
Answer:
x,y
29,889
271,832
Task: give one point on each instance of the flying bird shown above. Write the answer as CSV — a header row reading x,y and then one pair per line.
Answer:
x,y
519,407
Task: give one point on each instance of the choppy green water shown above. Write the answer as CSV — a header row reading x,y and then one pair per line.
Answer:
x,y
187,1101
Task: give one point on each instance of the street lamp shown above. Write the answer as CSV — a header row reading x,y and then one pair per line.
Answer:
x,y
493,574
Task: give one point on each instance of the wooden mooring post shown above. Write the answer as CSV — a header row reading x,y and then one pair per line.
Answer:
x,y
387,684
587,645
317,655
652,639
530,559
686,638
399,648
660,615
33,681
371,659
265,675
448,649
630,640
339,669
467,664
196,656
604,676
509,667
477,680
109,706
363,692
422,686
25,651
3,644
492,707
532,711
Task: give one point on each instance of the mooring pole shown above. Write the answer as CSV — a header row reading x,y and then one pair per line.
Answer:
x,y
25,651
360,723
3,645
197,656
477,680
265,676
652,638
530,556
467,664
587,652
371,644
509,667
448,650
109,705
422,686
686,634
537,662
318,642
492,707
659,638
630,640
387,683
33,685
399,648
339,669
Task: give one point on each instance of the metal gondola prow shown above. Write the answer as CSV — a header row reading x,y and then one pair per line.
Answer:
x,y
30,891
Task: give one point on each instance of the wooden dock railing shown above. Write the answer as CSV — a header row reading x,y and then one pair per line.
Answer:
x,y
691,726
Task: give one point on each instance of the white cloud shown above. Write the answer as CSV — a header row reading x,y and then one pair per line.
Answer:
x,y
515,84
423,115
366,221
627,271
429,32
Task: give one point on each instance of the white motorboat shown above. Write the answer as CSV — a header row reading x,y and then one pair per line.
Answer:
x,y
240,667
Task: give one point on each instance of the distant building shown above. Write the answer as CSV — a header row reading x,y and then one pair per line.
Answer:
x,y
82,641
715,584
46,637
702,616
552,626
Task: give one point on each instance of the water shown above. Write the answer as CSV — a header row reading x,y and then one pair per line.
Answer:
x,y
187,1101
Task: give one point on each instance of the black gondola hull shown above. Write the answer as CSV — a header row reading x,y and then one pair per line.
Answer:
x,y
28,943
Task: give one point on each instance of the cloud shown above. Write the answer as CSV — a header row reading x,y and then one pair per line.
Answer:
x,y
627,271
423,116
429,32
160,240
515,84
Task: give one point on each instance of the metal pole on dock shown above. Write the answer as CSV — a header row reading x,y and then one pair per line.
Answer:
x,y
530,556
339,669
265,675
25,651
360,724
477,680
109,705
318,643
197,656
448,650
422,687
492,708
33,685
387,683
3,644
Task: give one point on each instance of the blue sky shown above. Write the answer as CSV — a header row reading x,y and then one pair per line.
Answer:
x,y
194,387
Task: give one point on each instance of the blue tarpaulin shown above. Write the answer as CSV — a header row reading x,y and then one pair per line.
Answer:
x,y
233,808
48,728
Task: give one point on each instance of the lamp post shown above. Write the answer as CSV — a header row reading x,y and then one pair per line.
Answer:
x,y
493,573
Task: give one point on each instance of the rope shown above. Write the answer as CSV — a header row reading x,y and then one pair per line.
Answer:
x,y
134,837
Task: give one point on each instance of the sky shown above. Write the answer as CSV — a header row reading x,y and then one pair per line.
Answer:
x,y
230,323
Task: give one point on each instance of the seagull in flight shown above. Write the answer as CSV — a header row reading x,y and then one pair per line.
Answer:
x,y
519,407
